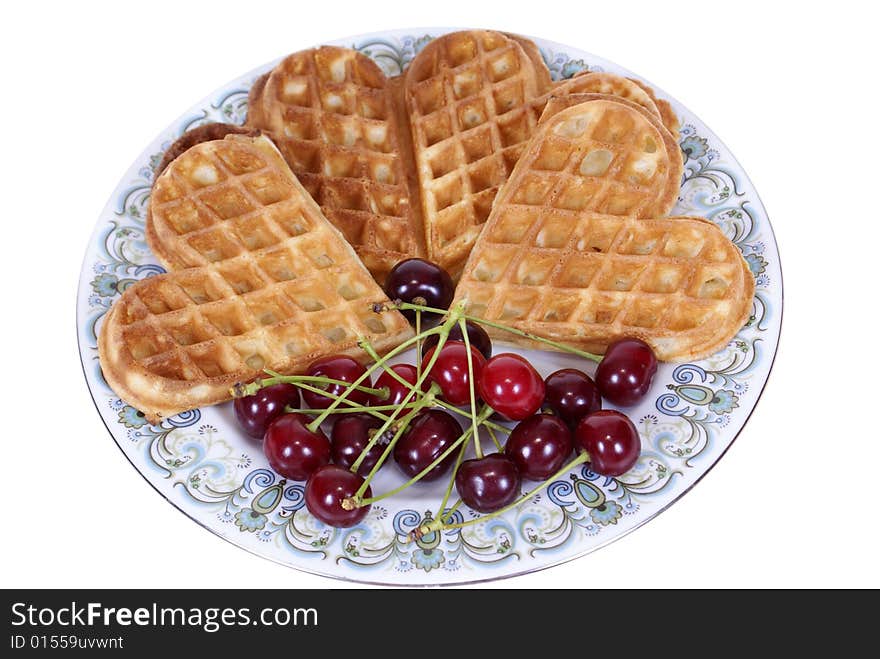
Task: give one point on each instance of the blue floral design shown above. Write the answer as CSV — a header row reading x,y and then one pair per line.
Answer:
x,y
428,559
105,285
608,513
249,520
724,401
132,418
757,263
694,146
571,67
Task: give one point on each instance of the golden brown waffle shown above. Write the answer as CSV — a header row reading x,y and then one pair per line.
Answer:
x,y
277,285
468,96
610,85
332,113
474,99
550,263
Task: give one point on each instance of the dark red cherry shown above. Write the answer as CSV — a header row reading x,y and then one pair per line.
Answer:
x,y
325,491
350,436
571,394
488,484
428,436
255,413
540,446
611,440
625,373
292,449
336,367
420,282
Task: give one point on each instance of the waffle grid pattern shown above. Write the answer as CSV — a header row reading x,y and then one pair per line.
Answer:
x,y
468,98
585,277
604,156
331,113
281,286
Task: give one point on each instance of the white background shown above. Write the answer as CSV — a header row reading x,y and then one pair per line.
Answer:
x,y
789,87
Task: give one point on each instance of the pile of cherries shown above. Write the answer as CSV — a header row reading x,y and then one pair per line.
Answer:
x,y
424,416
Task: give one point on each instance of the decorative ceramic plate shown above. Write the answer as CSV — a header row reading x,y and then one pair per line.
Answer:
x,y
202,463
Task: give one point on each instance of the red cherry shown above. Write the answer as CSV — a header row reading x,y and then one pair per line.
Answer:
x,y
397,391
510,385
255,413
335,367
450,371
325,492
611,440
428,436
572,395
625,373
488,484
292,449
539,446
350,436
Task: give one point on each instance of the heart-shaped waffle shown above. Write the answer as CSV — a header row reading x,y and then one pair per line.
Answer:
x,y
474,99
276,285
334,116
409,166
564,255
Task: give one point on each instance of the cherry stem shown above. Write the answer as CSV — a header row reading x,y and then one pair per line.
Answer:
x,y
443,332
352,406
494,439
296,380
314,425
439,525
449,513
418,343
507,328
441,511
402,426
470,362
351,410
461,412
390,371
415,479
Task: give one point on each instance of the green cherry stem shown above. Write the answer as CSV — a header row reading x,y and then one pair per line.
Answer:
x,y
470,362
352,410
439,525
443,331
494,438
371,352
356,500
278,378
313,426
351,406
441,511
457,410
449,513
507,328
419,343
402,426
